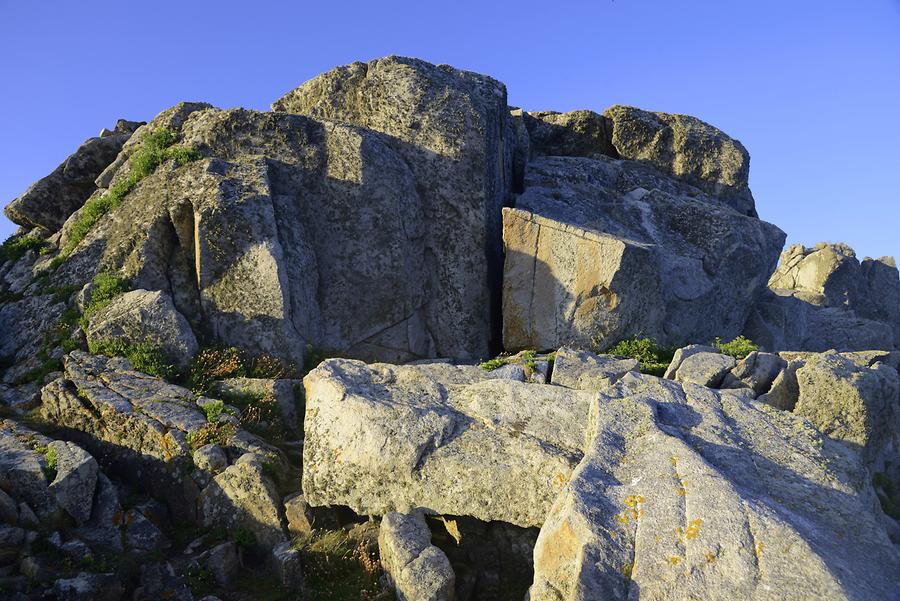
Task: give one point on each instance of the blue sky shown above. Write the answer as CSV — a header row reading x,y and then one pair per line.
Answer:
x,y
812,88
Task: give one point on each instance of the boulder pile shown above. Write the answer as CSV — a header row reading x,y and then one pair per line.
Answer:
x,y
239,359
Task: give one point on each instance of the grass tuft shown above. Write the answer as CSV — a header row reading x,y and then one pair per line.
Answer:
x,y
738,348
14,247
653,358
155,148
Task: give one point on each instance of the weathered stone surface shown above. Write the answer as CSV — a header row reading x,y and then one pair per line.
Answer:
x,y
288,565
510,371
142,316
565,284
822,298
704,369
104,528
22,467
24,323
50,200
853,404
87,586
686,148
243,496
785,390
576,133
690,268
680,494
682,354
385,438
756,371
76,479
586,371
223,562
451,128
416,569
140,425
159,581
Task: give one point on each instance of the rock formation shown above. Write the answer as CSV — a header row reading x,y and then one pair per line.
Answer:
x,y
238,357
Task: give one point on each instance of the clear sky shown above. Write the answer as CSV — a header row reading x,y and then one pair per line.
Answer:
x,y
811,87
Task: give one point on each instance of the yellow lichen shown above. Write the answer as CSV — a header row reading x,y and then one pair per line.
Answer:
x,y
710,557
674,560
758,549
683,488
628,569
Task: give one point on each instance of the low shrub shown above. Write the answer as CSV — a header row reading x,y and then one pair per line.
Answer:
x,y
653,358
107,286
212,433
155,148
212,364
738,348
14,247
143,356
338,568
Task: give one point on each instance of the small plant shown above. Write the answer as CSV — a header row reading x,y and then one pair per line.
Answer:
x,y
339,568
653,358
492,364
738,348
212,364
269,367
107,286
213,410
52,463
212,433
887,495
155,148
143,356
14,247
259,413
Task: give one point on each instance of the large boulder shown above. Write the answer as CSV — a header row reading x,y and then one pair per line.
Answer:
x,y
382,438
677,265
50,200
823,298
148,317
452,128
684,492
687,148
855,404
297,232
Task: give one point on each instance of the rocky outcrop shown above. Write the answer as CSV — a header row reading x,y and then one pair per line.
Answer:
x,y
50,200
145,429
451,128
382,438
823,298
688,149
678,494
145,317
599,249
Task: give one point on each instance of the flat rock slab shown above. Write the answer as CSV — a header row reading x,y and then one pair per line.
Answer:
x,y
444,438
686,493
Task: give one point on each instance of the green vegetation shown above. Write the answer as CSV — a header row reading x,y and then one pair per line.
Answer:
x,y
338,568
14,247
259,413
738,348
218,363
107,286
492,364
212,364
213,410
654,359
212,433
155,148
52,464
143,356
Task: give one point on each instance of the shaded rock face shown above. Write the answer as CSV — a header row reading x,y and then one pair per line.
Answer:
x,y
823,298
50,200
600,249
452,128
